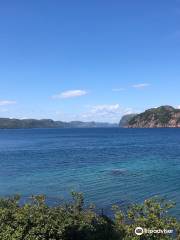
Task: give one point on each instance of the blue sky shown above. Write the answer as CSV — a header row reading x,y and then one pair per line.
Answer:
x,y
88,60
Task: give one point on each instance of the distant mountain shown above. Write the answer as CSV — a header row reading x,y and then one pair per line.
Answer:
x,y
48,123
80,124
125,120
161,117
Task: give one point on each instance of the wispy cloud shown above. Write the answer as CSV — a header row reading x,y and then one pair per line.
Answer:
x,y
118,89
105,113
141,85
70,94
105,108
6,102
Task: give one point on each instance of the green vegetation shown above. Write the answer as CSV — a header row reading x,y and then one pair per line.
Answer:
x,y
156,117
12,123
35,220
163,114
125,119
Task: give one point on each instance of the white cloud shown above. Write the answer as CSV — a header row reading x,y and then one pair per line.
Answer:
x,y
6,102
118,89
105,113
105,108
141,85
70,94
178,107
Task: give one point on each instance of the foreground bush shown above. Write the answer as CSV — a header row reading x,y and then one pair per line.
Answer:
x,y
35,220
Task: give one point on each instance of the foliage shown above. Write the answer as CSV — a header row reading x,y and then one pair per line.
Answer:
x,y
126,119
35,220
161,115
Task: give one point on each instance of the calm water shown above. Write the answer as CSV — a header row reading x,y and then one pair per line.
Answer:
x,y
108,165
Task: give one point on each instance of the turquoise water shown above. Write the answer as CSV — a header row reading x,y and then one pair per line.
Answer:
x,y
109,165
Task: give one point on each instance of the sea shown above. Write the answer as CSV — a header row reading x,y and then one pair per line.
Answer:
x,y
108,165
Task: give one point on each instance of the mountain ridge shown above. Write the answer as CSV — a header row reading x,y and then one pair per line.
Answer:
x,y
13,123
161,117
125,119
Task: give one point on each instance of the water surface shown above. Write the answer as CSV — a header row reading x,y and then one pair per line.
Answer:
x,y
109,165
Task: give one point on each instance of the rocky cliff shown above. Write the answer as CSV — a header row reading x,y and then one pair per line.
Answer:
x,y
125,120
161,117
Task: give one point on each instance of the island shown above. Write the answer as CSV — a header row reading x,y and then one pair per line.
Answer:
x,y
160,117
10,123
